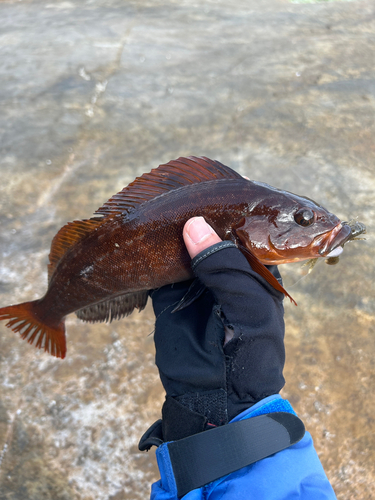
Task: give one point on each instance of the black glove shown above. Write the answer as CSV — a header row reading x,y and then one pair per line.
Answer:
x,y
209,383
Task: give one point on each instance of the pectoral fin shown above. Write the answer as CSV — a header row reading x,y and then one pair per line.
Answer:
x,y
195,290
261,269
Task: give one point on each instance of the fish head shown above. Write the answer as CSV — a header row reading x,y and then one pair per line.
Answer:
x,y
285,228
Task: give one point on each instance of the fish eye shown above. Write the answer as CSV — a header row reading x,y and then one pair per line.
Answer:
x,y
304,217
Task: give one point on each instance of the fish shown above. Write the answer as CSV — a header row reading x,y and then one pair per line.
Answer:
x,y
102,268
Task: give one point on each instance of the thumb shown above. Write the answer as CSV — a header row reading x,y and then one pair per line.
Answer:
x,y
198,236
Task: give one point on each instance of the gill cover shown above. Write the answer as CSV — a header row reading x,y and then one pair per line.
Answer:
x,y
290,228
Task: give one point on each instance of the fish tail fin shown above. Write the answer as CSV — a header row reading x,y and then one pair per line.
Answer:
x,y
27,319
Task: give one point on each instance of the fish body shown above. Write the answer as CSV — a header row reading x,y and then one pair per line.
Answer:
x,y
102,268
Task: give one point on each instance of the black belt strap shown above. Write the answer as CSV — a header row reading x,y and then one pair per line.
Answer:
x,y
209,455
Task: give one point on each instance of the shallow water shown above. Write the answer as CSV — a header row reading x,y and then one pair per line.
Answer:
x,y
94,93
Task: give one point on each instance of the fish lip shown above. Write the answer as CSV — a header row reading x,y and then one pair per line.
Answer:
x,y
339,235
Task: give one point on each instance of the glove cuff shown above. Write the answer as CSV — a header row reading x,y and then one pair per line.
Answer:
x,y
186,415
178,421
212,404
191,413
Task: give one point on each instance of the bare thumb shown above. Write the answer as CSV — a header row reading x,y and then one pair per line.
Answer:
x,y
198,235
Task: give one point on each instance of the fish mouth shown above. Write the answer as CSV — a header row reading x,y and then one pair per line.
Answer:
x,y
339,235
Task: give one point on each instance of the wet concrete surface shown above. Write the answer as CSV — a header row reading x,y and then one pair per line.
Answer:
x,y
94,93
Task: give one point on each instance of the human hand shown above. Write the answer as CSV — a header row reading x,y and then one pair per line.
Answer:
x,y
225,351
198,236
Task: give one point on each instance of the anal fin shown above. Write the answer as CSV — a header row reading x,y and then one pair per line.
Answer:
x,y
116,308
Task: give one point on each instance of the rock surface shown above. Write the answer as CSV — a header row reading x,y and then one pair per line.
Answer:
x,y
96,92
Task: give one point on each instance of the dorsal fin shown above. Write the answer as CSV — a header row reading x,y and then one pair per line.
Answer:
x,y
167,177
66,238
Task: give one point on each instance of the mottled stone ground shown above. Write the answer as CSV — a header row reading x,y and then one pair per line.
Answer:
x,y
94,93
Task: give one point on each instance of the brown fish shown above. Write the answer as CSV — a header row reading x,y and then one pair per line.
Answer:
x,y
102,268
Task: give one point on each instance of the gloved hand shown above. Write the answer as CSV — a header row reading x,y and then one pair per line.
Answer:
x,y
225,351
